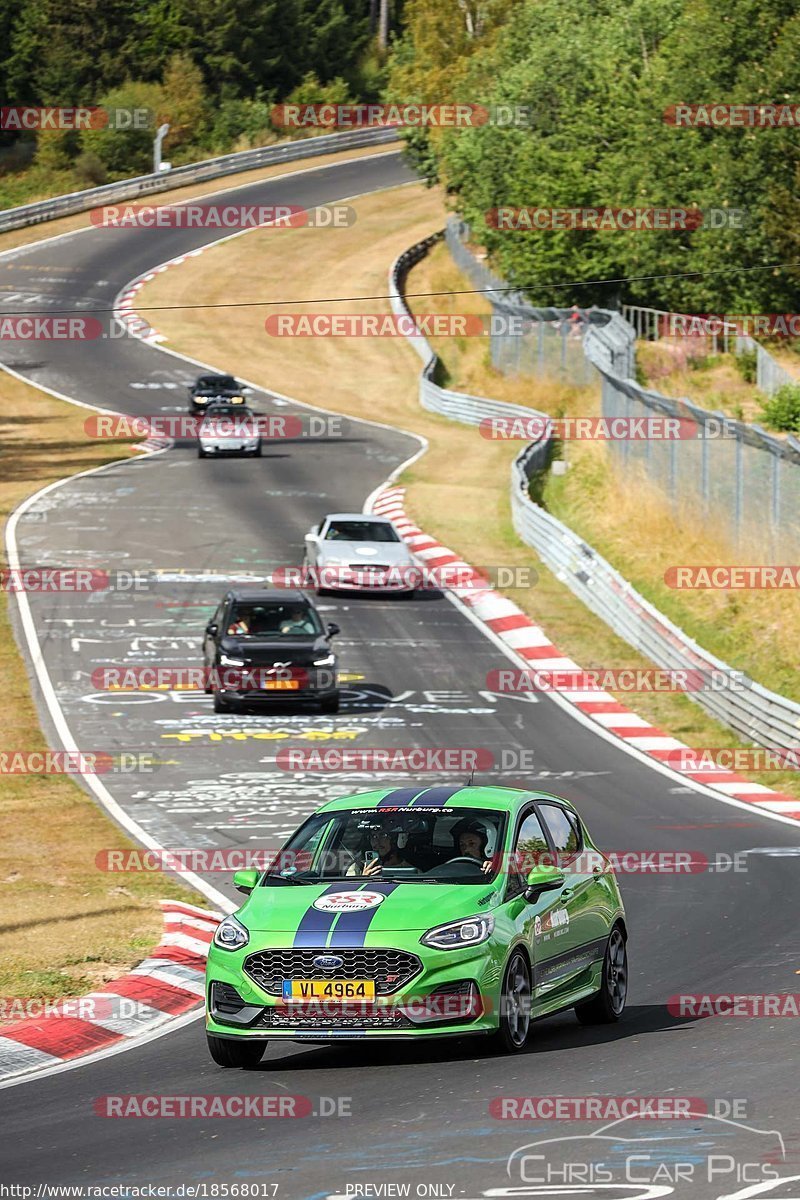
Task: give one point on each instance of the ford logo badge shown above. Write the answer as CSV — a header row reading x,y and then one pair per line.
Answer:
x,y
328,962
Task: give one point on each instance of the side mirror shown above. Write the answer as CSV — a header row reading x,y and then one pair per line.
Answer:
x,y
333,629
543,879
312,535
245,881
212,630
246,391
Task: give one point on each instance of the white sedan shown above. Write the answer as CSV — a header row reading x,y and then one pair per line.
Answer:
x,y
359,552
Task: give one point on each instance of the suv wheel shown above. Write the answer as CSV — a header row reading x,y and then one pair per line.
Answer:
x,y
515,1005
235,1054
609,1004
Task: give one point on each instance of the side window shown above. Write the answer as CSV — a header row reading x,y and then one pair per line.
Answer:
x,y
563,828
529,847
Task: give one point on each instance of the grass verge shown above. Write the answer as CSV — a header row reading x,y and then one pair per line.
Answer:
x,y
67,927
459,491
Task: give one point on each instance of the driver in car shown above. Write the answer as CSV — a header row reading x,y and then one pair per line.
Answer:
x,y
471,840
296,621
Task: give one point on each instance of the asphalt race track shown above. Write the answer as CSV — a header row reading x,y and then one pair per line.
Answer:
x,y
418,1113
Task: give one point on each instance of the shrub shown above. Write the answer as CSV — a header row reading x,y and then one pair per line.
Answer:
x,y
746,364
782,411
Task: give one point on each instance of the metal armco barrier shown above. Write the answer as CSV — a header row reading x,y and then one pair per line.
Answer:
x,y
752,711
209,168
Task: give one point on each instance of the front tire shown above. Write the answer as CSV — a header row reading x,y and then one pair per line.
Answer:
x,y
330,704
257,451
201,452
515,1005
244,1054
221,705
609,1004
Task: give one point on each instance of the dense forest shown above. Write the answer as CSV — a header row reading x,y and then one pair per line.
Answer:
x,y
597,77
212,68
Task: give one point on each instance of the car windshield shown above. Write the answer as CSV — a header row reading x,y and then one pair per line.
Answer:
x,y
226,412
360,531
276,619
225,383
426,845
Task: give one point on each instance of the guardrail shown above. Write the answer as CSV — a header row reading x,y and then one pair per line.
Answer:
x,y
752,711
209,168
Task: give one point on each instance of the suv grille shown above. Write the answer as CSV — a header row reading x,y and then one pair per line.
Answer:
x,y
391,969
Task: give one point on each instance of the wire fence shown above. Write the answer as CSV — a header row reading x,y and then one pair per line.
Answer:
x,y
744,481
756,714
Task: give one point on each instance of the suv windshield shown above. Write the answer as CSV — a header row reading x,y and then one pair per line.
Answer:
x,y
276,619
444,845
360,531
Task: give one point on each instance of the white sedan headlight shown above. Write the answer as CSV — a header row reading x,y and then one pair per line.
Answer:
x,y
226,661
471,932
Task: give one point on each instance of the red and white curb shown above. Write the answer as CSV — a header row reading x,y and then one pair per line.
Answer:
x,y
167,984
530,643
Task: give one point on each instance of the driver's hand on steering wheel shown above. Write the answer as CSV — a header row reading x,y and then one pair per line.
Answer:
x,y
486,867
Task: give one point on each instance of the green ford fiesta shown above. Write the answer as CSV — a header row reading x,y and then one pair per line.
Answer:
x,y
413,912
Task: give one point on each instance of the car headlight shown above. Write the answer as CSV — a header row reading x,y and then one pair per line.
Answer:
x,y
201,399
459,933
226,661
231,934
327,661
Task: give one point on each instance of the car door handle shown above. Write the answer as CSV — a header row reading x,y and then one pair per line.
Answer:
x,y
566,893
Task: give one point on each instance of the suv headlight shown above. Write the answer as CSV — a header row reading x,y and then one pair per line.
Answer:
x,y
225,660
328,661
231,934
471,932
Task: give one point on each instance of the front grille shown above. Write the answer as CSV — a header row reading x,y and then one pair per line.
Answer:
x,y
285,1018
391,969
369,568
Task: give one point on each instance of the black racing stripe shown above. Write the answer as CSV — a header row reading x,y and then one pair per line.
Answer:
x,y
351,928
399,798
563,964
434,797
315,925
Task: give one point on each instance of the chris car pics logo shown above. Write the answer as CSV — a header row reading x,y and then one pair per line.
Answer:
x,y
348,902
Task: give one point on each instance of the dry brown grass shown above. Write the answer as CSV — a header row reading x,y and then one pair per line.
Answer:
x,y
687,368
66,925
459,490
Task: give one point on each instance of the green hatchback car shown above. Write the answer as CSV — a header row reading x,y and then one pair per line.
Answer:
x,y
420,912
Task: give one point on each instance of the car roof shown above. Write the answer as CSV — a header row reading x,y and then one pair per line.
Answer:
x,y
445,795
362,516
271,595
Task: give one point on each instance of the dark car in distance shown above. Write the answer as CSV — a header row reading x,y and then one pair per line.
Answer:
x,y
269,646
208,388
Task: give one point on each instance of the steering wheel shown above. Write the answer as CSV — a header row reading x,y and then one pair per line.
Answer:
x,y
467,858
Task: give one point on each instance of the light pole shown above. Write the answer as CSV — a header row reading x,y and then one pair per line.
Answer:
x,y
163,130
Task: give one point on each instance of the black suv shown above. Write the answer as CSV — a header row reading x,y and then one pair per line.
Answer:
x,y
207,388
268,646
